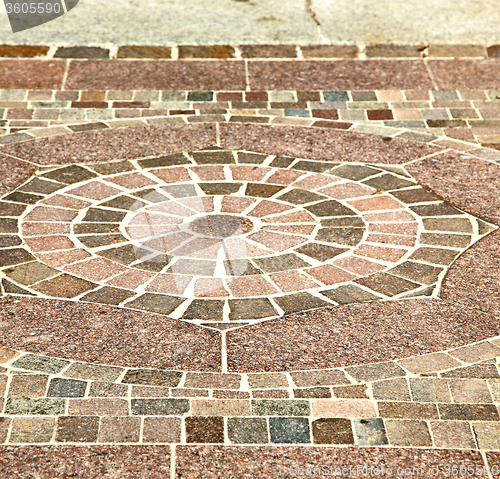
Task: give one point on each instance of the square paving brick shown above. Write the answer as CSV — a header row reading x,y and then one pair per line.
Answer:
x,y
453,434
66,388
391,390
430,390
370,432
32,429
289,430
408,433
204,429
119,429
487,434
161,430
28,386
332,431
247,430
77,429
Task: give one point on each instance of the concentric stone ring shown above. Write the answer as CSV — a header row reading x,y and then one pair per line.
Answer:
x,y
232,237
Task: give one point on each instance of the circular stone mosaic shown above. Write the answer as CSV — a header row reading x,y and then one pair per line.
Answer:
x,y
224,238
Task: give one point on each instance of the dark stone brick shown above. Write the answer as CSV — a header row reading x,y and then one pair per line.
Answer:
x,y
8,225
96,228
354,172
332,431
251,308
201,96
439,209
240,267
282,162
320,252
268,51
251,158
82,52
146,51
289,430
423,273
388,182
64,286
262,190
107,295
283,262
205,309
159,407
300,197
11,209
59,387
315,166
387,284
124,202
170,160
341,236
415,195
246,430
435,255
408,410
458,241
300,302
380,115
38,185
330,208
476,371
104,216
25,198
77,429
156,303
336,96
7,241
102,240
348,294
220,188
152,377
206,51
69,174
204,429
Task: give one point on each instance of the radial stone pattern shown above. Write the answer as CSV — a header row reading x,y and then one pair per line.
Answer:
x,y
227,238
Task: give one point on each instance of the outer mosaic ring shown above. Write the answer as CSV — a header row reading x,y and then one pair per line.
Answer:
x,y
203,136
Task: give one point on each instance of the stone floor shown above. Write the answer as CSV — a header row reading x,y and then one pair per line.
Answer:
x,y
250,261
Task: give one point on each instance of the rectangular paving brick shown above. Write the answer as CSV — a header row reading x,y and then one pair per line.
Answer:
x,y
120,429
159,407
343,408
453,434
77,429
247,430
332,431
218,381
186,75
407,410
270,407
319,378
32,429
32,74
220,407
469,412
98,407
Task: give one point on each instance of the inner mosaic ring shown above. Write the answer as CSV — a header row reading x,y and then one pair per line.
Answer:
x,y
182,235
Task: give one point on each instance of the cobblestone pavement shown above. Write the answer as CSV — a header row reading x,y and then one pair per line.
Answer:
x,y
244,261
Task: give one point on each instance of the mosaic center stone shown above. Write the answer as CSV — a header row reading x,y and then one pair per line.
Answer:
x,y
226,238
221,226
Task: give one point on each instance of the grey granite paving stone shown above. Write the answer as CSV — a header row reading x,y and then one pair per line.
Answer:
x,y
120,429
247,430
430,390
370,432
33,362
289,430
251,308
124,202
95,228
59,387
164,161
346,222
152,377
332,431
478,371
64,286
299,302
270,407
9,287
40,406
391,389
77,429
159,407
354,172
281,161
180,191
349,293
102,389
162,430
92,372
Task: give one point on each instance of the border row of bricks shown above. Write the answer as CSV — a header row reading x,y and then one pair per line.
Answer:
x,y
472,149
462,362
236,430
440,112
227,52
